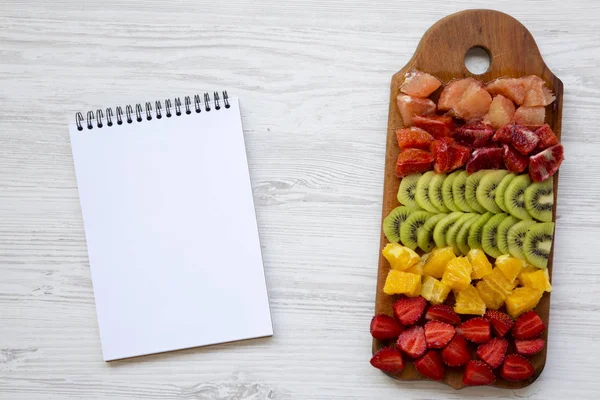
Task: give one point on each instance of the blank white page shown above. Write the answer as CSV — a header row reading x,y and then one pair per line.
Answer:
x,y
171,232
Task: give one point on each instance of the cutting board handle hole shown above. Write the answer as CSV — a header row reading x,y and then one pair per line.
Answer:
x,y
478,60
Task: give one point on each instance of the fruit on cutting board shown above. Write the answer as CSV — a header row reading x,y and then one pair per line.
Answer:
x,y
468,301
434,291
400,282
385,327
419,84
522,299
388,359
457,273
480,263
400,257
535,278
437,261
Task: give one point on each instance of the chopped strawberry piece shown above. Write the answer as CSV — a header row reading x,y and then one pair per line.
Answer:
x,y
414,138
473,104
474,134
485,158
438,334
529,347
523,139
444,313
460,156
412,342
476,330
409,310
502,111
501,322
437,125
385,327
493,352
547,137
537,94
457,352
388,359
516,368
411,161
431,366
410,106
514,161
545,164
419,84
528,326
454,91
442,154
512,88
531,117
478,373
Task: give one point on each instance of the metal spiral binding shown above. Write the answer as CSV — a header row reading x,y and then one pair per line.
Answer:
x,y
105,119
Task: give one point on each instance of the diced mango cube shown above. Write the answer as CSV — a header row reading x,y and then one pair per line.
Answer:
x,y
492,298
418,267
538,279
469,302
499,281
434,291
400,282
437,261
400,257
510,266
481,264
522,299
458,273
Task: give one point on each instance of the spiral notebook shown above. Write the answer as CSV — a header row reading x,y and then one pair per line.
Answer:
x,y
170,225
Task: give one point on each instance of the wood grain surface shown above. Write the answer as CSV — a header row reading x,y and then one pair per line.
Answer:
x,y
441,52
313,78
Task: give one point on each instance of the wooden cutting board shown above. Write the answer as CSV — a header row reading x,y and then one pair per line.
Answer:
x,y
441,52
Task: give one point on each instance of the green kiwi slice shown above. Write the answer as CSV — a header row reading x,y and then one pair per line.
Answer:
x,y
462,237
447,192
514,197
406,190
489,235
539,200
486,192
410,228
471,186
501,190
503,229
453,231
441,228
422,192
476,230
538,243
459,186
516,236
393,222
435,192
425,234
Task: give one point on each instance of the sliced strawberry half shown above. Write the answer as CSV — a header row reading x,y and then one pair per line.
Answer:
x,y
478,373
442,312
529,347
485,158
457,352
411,161
431,366
493,352
438,126
514,161
476,330
545,164
547,137
385,327
388,359
474,134
528,326
409,310
438,334
516,368
413,138
412,342
501,322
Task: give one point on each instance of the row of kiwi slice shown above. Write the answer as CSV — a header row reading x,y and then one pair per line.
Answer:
x,y
496,234
494,191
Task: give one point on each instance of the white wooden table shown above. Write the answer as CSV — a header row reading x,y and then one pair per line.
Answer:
x,y
313,80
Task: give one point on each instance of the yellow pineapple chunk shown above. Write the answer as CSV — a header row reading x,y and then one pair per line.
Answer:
x,y
469,302
492,298
418,267
500,282
437,261
401,258
522,299
458,273
399,282
511,267
434,291
480,263
538,279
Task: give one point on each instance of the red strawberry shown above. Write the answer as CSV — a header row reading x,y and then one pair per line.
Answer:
x,y
516,368
529,347
457,352
545,164
430,365
388,359
438,125
476,330
528,326
485,158
385,327
413,138
478,373
444,313
459,156
547,137
442,154
493,352
514,161
411,161
408,310
412,342
474,134
523,139
501,322
438,334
